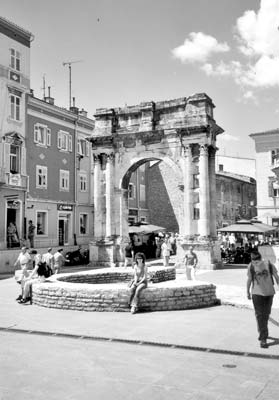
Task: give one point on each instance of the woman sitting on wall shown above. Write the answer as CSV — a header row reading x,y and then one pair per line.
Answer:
x,y
139,282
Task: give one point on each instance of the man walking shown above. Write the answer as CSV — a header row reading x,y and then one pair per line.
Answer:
x,y
260,285
31,233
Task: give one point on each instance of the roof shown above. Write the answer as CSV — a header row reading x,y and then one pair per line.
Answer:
x,y
239,177
15,32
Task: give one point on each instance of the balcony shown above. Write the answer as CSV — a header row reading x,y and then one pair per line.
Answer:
x,y
15,180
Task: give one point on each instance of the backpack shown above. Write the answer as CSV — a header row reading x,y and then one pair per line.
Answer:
x,y
44,270
253,274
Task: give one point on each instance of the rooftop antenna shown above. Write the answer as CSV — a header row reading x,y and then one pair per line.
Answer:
x,y
69,63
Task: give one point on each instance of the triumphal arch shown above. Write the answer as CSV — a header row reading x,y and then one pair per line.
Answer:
x,y
181,133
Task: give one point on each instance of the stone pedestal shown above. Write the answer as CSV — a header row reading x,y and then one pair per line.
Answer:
x,y
106,253
207,250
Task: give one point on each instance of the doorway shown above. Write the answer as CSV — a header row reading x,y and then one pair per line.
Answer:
x,y
12,237
63,230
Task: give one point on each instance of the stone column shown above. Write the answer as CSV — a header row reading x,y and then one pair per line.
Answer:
x,y
188,191
212,191
204,222
97,198
109,194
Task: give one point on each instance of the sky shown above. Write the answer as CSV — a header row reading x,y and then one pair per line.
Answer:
x,y
128,51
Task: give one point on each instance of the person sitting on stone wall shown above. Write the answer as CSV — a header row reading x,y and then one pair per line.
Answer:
x,y
139,282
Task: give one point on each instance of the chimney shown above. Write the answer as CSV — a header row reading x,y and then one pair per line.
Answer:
x,y
83,113
74,109
49,99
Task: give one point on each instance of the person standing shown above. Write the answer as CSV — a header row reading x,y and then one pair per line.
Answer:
x,y
191,262
23,261
58,261
11,234
260,285
31,232
48,258
166,251
129,254
139,282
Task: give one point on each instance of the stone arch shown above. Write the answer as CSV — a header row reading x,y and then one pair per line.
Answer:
x,y
181,133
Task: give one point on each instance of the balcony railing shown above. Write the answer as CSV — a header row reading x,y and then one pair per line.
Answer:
x,y
15,180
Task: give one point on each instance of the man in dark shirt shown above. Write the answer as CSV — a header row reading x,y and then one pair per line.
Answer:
x,y
129,254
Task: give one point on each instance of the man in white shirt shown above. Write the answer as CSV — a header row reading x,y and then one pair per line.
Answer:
x,y
23,261
48,258
166,251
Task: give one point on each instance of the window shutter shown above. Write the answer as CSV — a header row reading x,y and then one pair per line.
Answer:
x,y
270,187
70,143
23,161
48,137
36,128
87,149
7,157
59,140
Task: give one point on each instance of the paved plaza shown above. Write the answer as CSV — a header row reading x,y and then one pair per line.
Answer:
x,y
209,353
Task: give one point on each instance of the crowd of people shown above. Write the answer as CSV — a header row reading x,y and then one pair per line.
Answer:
x,y
237,248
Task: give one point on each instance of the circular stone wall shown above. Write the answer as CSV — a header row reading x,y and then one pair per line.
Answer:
x,y
107,290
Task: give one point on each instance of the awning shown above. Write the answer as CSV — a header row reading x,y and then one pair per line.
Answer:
x,y
148,228
248,227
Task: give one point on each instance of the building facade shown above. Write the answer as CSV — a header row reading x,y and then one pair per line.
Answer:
x,y
267,156
15,45
59,199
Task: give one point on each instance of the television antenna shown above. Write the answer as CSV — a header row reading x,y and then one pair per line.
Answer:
x,y
69,63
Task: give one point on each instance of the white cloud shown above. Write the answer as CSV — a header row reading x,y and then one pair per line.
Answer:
x,y
228,138
198,48
257,35
258,32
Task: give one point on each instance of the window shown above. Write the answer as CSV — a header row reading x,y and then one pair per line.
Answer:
x,y
83,224
221,167
83,147
15,59
14,159
15,107
131,191
274,156
64,141
41,177
142,219
275,192
42,135
131,220
41,223
196,213
64,180
83,182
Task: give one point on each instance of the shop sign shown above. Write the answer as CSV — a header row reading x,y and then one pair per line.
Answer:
x,y
64,207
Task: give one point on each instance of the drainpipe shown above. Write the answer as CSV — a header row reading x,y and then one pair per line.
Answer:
x,y
75,183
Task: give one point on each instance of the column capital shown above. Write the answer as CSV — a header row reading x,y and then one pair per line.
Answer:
x,y
204,150
187,150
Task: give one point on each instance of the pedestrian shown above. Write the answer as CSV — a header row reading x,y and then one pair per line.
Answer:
x,y
11,235
39,274
58,261
260,276
23,261
191,262
48,258
166,251
129,254
31,232
173,244
139,282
